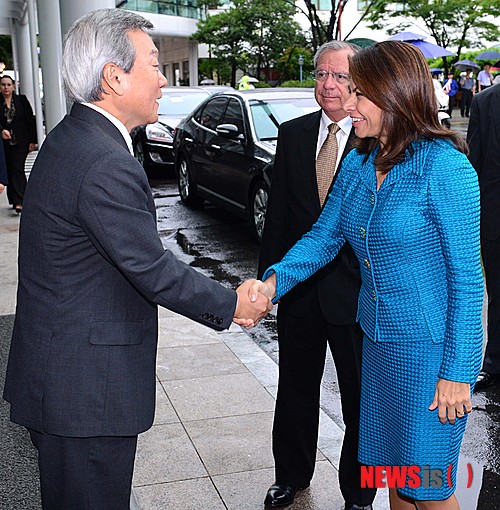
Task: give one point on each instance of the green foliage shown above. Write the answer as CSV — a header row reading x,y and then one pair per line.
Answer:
x,y
251,34
6,51
309,83
261,85
452,23
288,63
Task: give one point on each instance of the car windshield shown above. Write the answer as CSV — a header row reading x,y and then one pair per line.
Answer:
x,y
267,115
179,103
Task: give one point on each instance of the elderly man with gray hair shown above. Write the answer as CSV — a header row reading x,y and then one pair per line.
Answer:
x,y
92,270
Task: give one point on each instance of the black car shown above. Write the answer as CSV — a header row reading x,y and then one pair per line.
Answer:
x,y
224,151
153,143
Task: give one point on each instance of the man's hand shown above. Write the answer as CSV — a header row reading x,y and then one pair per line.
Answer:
x,y
249,312
2,187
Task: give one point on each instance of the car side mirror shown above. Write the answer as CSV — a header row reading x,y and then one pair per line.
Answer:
x,y
228,131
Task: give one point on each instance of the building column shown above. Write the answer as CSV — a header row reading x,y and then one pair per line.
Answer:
x,y
15,49
193,63
71,10
37,102
25,76
49,23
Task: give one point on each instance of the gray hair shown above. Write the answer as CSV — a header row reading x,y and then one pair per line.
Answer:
x,y
93,41
334,46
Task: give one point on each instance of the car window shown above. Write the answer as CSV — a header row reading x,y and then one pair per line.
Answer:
x,y
234,114
267,115
211,115
180,103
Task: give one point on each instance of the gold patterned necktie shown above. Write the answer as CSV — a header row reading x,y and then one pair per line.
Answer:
x,y
326,161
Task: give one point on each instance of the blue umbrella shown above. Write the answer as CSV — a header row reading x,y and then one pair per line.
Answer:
x,y
406,37
431,50
463,65
488,55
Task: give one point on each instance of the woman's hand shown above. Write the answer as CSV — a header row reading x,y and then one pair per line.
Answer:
x,y
2,187
6,134
452,400
268,288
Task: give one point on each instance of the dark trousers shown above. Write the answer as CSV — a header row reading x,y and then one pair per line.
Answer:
x,y
465,102
451,104
15,158
490,249
302,351
90,473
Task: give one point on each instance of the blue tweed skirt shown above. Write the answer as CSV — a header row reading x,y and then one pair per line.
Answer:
x,y
396,427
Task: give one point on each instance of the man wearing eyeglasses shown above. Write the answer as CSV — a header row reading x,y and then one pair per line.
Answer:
x,y
322,310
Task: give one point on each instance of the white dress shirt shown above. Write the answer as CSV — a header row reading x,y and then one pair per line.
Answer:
x,y
345,126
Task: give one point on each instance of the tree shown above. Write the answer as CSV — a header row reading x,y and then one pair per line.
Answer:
x,y
326,27
6,51
288,63
250,34
226,34
453,23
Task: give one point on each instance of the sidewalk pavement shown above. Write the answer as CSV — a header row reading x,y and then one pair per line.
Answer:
x,y
210,445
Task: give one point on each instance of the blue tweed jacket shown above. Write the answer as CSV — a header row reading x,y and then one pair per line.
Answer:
x,y
417,241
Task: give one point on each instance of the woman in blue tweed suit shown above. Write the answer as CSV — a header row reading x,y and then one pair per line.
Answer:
x,y
407,200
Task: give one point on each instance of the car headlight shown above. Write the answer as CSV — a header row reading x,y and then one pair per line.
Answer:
x,y
158,133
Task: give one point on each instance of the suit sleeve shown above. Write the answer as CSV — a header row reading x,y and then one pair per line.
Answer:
x,y
273,241
474,136
113,210
457,222
316,248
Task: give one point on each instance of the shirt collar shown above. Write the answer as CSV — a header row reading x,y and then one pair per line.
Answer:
x,y
344,124
119,125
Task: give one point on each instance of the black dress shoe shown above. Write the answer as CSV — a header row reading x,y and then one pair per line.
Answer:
x,y
280,495
485,380
353,506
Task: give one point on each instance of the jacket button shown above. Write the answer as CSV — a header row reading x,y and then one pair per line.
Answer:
x,y
372,199
362,232
366,262
374,295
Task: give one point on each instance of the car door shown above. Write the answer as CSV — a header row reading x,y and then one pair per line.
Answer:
x,y
233,164
204,145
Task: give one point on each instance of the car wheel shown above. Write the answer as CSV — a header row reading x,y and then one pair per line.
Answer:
x,y
185,184
258,207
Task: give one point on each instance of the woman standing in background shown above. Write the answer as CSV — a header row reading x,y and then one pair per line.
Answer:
x,y
17,124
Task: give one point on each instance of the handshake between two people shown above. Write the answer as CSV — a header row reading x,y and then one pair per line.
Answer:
x,y
254,301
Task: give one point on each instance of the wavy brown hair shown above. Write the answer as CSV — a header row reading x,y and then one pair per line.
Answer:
x,y
395,77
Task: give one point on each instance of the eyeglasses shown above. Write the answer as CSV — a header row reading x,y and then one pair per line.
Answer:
x,y
321,75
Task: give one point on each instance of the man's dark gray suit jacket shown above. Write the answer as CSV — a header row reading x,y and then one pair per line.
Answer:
x,y
483,137
92,271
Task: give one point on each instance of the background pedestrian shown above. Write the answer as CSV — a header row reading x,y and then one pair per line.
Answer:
x,y
17,124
